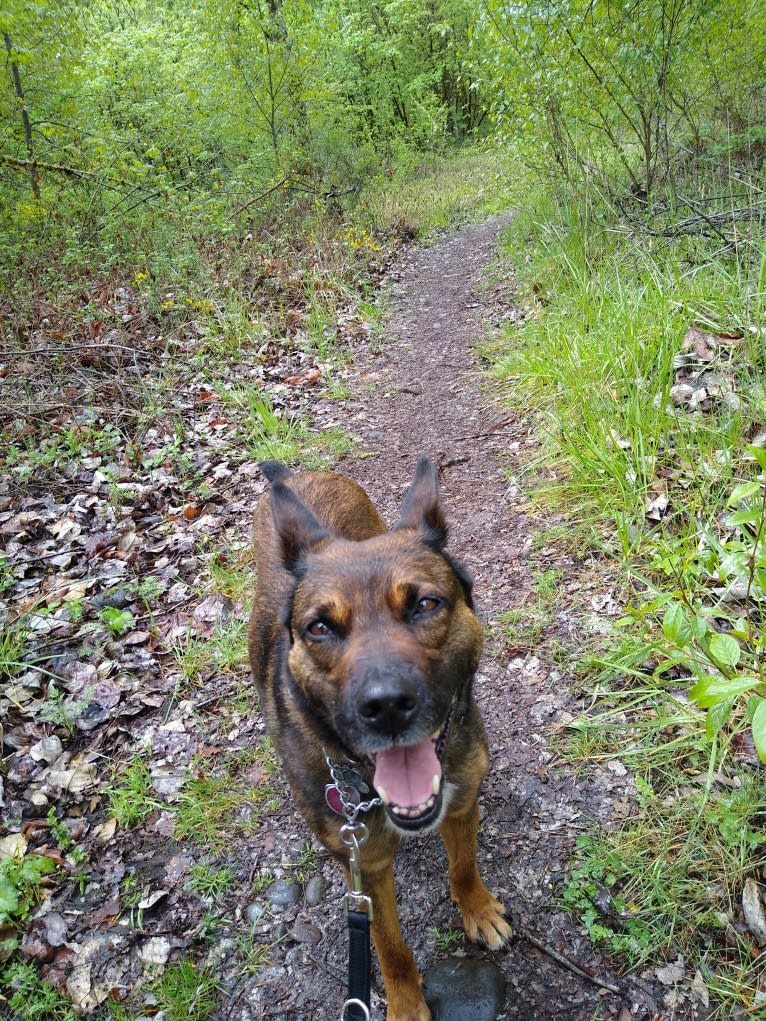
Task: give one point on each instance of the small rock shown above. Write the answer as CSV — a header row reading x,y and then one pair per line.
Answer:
x,y
278,932
314,891
156,950
119,598
464,989
305,932
283,894
55,929
254,913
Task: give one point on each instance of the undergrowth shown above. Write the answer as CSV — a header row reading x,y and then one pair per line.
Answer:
x,y
641,359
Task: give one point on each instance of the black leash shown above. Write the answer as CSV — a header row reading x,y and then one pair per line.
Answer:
x,y
357,1005
344,796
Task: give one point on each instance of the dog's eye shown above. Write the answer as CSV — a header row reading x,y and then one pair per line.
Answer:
x,y
319,629
426,605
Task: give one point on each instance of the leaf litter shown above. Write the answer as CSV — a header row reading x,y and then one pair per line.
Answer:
x,y
130,474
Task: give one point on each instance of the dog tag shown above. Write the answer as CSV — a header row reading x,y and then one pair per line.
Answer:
x,y
348,775
336,796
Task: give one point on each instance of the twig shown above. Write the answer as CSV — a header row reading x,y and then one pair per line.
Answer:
x,y
251,202
68,350
565,962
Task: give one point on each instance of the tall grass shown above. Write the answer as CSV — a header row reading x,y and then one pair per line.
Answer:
x,y
596,356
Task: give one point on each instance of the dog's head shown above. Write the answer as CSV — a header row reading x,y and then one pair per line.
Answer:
x,y
383,641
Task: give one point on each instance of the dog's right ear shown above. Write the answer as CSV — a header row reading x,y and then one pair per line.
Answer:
x,y
297,528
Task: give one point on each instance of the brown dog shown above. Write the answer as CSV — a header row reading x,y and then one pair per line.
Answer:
x,y
364,644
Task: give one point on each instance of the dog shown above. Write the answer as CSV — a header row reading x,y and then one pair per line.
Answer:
x,y
364,644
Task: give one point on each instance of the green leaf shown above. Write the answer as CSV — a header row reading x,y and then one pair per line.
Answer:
x,y
717,716
759,454
675,625
759,729
745,517
9,897
725,649
35,866
712,689
744,491
752,705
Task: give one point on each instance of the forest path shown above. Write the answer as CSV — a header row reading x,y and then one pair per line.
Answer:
x,y
423,395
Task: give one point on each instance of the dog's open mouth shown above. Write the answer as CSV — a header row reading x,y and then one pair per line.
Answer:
x,y
408,779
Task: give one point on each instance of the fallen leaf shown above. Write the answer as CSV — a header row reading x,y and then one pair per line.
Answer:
x,y
752,907
671,974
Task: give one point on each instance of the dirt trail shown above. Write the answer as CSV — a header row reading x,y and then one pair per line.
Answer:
x,y
423,394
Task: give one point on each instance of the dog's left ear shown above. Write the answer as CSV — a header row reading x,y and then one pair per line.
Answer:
x,y
421,507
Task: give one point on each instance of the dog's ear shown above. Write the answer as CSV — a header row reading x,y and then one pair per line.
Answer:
x,y
421,508
296,526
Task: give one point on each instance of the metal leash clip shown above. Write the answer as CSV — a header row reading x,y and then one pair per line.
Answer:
x,y
353,835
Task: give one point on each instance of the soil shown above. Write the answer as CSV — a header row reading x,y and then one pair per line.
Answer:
x,y
417,388
424,395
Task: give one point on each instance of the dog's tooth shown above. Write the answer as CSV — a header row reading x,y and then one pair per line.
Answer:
x,y
436,784
383,796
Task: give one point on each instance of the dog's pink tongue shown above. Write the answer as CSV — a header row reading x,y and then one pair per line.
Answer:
x,y
407,773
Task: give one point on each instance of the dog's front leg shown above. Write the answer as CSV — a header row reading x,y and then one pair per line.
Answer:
x,y
483,915
400,975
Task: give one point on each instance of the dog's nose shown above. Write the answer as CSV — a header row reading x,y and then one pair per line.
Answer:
x,y
388,706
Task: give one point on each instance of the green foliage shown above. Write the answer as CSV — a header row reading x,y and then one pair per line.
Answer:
x,y
61,710
709,625
669,879
593,87
596,363
32,998
21,878
119,622
157,131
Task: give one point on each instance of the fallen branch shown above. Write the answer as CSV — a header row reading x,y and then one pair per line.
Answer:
x,y
565,962
698,224
68,350
35,165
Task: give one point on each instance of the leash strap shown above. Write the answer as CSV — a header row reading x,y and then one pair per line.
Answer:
x,y
359,965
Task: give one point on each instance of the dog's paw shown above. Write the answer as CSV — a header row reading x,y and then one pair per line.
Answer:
x,y
486,923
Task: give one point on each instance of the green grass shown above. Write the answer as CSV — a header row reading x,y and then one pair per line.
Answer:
x,y
422,195
523,626
594,363
210,882
266,434
670,880
185,992
223,802
129,795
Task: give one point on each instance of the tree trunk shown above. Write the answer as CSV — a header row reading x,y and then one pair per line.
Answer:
x,y
26,123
